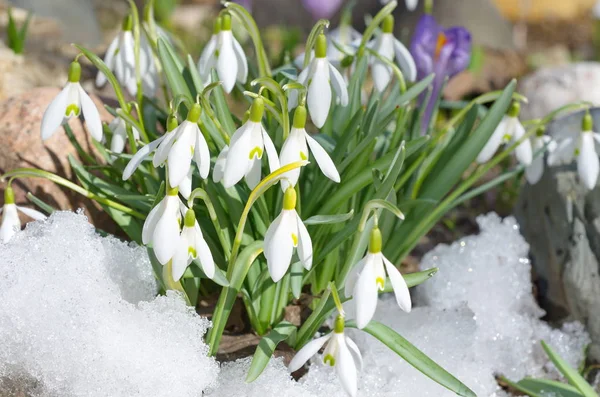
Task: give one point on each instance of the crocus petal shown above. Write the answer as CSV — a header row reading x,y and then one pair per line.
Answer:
x,y
339,85
323,160
272,157
10,222
291,151
238,158
139,157
405,61
523,152
202,155
588,165
346,369
204,255
319,93
279,247
305,250
180,156
309,350
91,115
494,142
293,94
355,352
185,186
399,285
55,113
365,295
219,169
242,62
227,66
33,214
151,221
109,58
208,54
352,277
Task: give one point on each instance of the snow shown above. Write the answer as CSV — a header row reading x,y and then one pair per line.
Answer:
x,y
78,314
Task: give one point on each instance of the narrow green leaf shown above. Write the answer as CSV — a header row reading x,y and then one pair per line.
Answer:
x,y
296,277
173,69
571,374
414,279
266,348
416,358
37,201
544,387
329,219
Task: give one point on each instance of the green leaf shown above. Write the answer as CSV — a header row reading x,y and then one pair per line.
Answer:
x,y
173,69
380,204
416,358
296,278
329,219
413,279
196,271
37,201
543,387
266,347
571,374
415,90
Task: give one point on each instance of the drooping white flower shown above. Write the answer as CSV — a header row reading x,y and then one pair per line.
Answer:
x,y
509,130
161,228
244,153
185,186
118,127
191,246
368,276
283,235
582,147
535,170
341,352
346,37
178,149
387,46
295,148
411,5
10,216
224,53
318,78
120,58
70,102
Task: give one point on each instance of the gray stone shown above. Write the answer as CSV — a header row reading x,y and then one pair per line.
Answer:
x,y
550,88
560,219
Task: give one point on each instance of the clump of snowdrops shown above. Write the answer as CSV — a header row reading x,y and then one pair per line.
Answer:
x,y
319,189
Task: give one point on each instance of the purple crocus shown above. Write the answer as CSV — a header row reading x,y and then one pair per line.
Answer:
x,y
322,9
445,52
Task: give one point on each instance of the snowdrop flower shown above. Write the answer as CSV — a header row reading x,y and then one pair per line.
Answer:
x,y
535,170
368,276
182,145
510,130
225,53
387,46
295,149
346,37
120,58
70,102
191,246
10,217
243,155
411,5
118,127
185,187
341,352
318,78
283,235
161,228
583,148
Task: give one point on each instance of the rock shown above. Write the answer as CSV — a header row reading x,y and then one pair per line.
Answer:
x,y
560,219
550,88
21,146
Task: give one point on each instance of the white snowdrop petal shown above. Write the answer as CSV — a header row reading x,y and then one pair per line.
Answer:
x,y
355,352
405,60
293,94
323,160
180,156
339,85
346,369
238,159
307,351
227,66
185,186
109,61
588,165
523,152
33,214
208,53
534,172
10,222
272,157
180,258
55,113
319,93
242,62
162,152
411,5
151,221
382,73
352,277
305,249
279,248
294,145
202,154
365,294
91,115
219,169
494,142
204,255
399,285
254,173
139,157
563,152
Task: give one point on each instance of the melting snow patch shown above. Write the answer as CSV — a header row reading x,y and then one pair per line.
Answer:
x,y
78,317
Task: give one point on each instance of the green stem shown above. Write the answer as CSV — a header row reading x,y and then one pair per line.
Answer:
x,y
201,194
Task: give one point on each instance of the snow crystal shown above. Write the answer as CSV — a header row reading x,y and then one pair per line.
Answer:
x,y
78,317
476,317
